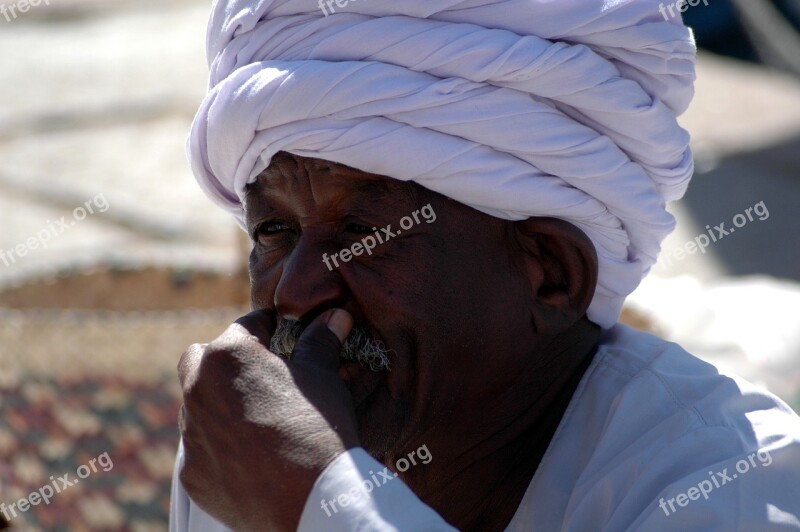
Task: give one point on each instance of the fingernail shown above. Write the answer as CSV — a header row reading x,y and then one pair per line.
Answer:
x,y
340,322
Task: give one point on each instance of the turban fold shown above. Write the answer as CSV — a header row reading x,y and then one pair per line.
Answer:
x,y
517,108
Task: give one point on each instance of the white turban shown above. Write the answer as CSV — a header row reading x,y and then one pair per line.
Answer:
x,y
517,108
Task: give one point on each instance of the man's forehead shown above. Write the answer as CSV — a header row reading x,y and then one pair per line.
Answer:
x,y
288,172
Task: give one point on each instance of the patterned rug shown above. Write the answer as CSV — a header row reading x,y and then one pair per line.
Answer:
x,y
52,429
88,415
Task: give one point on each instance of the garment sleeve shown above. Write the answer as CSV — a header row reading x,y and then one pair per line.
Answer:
x,y
357,493
354,493
185,515
751,491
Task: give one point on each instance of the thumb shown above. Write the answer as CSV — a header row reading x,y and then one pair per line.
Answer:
x,y
320,343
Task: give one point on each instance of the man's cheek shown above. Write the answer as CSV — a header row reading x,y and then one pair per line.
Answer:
x,y
258,267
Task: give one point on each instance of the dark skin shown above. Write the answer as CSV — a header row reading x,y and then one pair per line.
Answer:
x,y
485,319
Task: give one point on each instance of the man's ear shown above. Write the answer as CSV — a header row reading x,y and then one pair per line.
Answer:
x,y
560,262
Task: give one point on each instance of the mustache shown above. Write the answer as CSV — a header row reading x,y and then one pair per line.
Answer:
x,y
359,346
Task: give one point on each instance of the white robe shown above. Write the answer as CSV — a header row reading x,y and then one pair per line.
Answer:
x,y
653,439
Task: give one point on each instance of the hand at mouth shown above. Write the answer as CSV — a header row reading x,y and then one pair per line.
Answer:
x,y
363,363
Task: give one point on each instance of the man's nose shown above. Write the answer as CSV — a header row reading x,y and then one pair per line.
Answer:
x,y
307,287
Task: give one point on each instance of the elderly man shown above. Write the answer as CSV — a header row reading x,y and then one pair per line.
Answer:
x,y
449,201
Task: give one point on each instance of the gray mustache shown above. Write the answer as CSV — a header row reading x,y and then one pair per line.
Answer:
x,y
359,346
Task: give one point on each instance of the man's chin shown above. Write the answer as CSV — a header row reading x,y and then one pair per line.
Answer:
x,y
380,424
380,417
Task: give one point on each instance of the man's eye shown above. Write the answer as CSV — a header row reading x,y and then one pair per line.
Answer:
x,y
272,227
358,228
268,229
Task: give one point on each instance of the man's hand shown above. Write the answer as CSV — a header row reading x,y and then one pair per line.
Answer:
x,y
259,429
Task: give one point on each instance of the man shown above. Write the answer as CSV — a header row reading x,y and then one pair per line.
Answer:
x,y
449,202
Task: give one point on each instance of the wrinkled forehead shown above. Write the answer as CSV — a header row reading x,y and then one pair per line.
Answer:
x,y
294,175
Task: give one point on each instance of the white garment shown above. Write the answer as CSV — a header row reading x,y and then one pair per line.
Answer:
x,y
517,108
647,422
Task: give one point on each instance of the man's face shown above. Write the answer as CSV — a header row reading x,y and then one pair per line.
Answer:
x,y
441,296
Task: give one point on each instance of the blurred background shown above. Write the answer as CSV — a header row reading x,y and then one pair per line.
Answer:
x,y
112,261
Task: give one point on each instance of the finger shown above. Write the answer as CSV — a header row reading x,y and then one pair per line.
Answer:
x,y
188,364
321,342
259,323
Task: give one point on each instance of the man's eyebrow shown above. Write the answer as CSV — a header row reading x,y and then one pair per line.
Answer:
x,y
397,192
